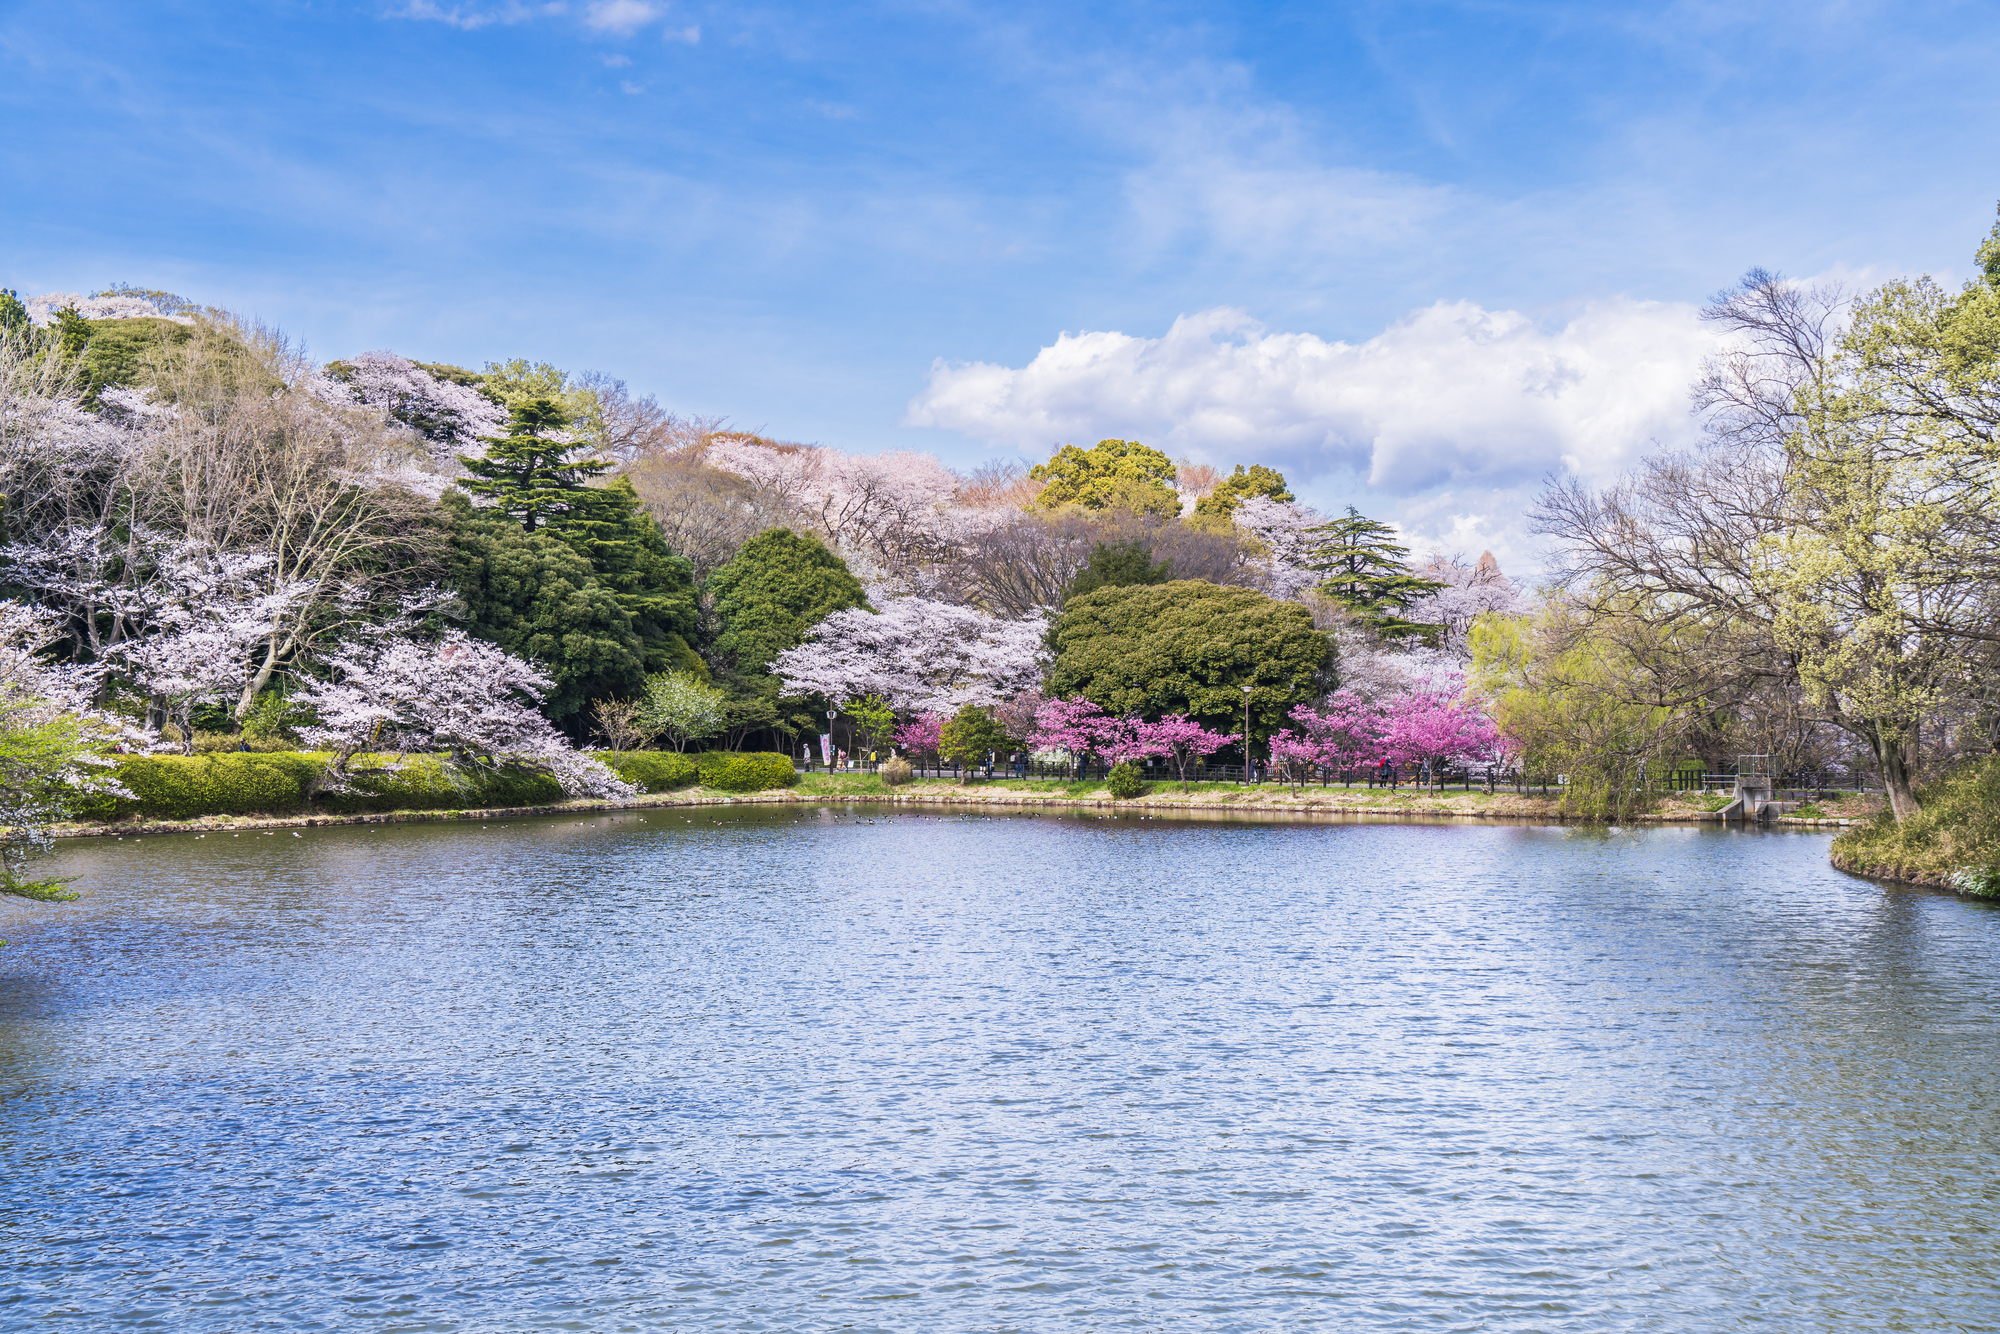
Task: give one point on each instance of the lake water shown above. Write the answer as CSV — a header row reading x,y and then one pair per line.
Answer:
x,y
791,1069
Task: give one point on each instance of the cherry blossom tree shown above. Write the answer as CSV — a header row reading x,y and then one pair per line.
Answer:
x,y
922,735
886,513
457,694
1181,740
53,746
451,417
1289,534
1437,727
918,655
1469,592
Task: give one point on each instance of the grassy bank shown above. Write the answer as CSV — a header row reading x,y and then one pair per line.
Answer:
x,y
1952,843
674,782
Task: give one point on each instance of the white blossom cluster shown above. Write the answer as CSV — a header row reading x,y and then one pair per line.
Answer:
x,y
103,306
452,418
457,695
917,655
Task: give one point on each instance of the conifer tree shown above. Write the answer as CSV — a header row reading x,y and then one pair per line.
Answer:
x,y
530,474
1368,572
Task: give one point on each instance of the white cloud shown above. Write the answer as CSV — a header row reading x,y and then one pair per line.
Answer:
x,y
1449,395
622,17
1449,418
619,61
690,34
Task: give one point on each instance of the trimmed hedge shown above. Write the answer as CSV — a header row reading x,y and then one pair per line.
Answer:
x,y
176,787
427,783
746,771
179,787
651,770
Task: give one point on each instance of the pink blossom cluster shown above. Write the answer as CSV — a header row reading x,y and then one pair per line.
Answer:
x,y
1439,725
922,735
1082,727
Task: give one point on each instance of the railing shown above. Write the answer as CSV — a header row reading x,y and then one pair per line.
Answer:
x,y
1796,785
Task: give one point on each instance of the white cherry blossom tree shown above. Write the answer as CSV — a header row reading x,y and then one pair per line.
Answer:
x,y
918,655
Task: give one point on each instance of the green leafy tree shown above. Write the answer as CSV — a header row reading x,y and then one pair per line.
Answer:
x,y
1111,474
533,473
874,719
1189,647
683,708
13,313
970,736
1117,565
1368,572
779,586
1989,257
534,596
1239,486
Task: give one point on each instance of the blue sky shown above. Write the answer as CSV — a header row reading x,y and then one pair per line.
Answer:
x,y
1419,253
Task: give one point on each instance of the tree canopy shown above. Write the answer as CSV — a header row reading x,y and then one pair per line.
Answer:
x,y
535,473
1111,474
1239,486
1189,647
778,587
1117,565
533,595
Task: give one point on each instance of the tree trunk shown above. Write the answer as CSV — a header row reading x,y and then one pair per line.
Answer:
x,y
257,682
1895,758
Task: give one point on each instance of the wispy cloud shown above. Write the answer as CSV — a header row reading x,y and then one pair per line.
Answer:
x,y
832,110
472,16
619,61
620,17
691,35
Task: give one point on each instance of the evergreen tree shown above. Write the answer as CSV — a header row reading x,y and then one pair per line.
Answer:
x,y
530,474
1116,566
1368,572
779,586
775,589
630,556
534,596
13,314
1111,474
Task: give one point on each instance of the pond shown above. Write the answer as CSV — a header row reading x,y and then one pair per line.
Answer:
x,y
800,1069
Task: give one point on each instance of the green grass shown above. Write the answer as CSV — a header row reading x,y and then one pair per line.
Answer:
x,y
1955,838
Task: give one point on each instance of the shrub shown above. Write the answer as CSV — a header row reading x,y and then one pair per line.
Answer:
x,y
651,770
896,771
1125,780
1954,839
431,783
176,787
223,743
746,771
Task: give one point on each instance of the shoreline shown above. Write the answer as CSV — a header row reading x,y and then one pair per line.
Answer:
x,y
1516,809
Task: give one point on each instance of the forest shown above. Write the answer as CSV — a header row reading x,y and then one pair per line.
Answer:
x,y
215,542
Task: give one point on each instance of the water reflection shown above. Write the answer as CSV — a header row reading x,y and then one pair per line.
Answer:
x,y
788,1069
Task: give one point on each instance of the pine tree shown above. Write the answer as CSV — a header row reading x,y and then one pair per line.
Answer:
x,y
1368,572
530,474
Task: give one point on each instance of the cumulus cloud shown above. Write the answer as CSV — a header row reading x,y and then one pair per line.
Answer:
x,y
1449,395
1449,418
621,17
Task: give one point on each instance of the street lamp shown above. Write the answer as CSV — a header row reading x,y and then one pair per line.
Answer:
x,y
1246,734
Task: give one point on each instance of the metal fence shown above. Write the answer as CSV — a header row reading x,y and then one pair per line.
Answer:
x,y
1812,784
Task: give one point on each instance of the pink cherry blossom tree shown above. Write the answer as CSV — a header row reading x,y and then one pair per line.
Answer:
x,y
1438,727
1181,740
452,418
922,735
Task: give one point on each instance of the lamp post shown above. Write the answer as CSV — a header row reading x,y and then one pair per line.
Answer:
x,y
1246,735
